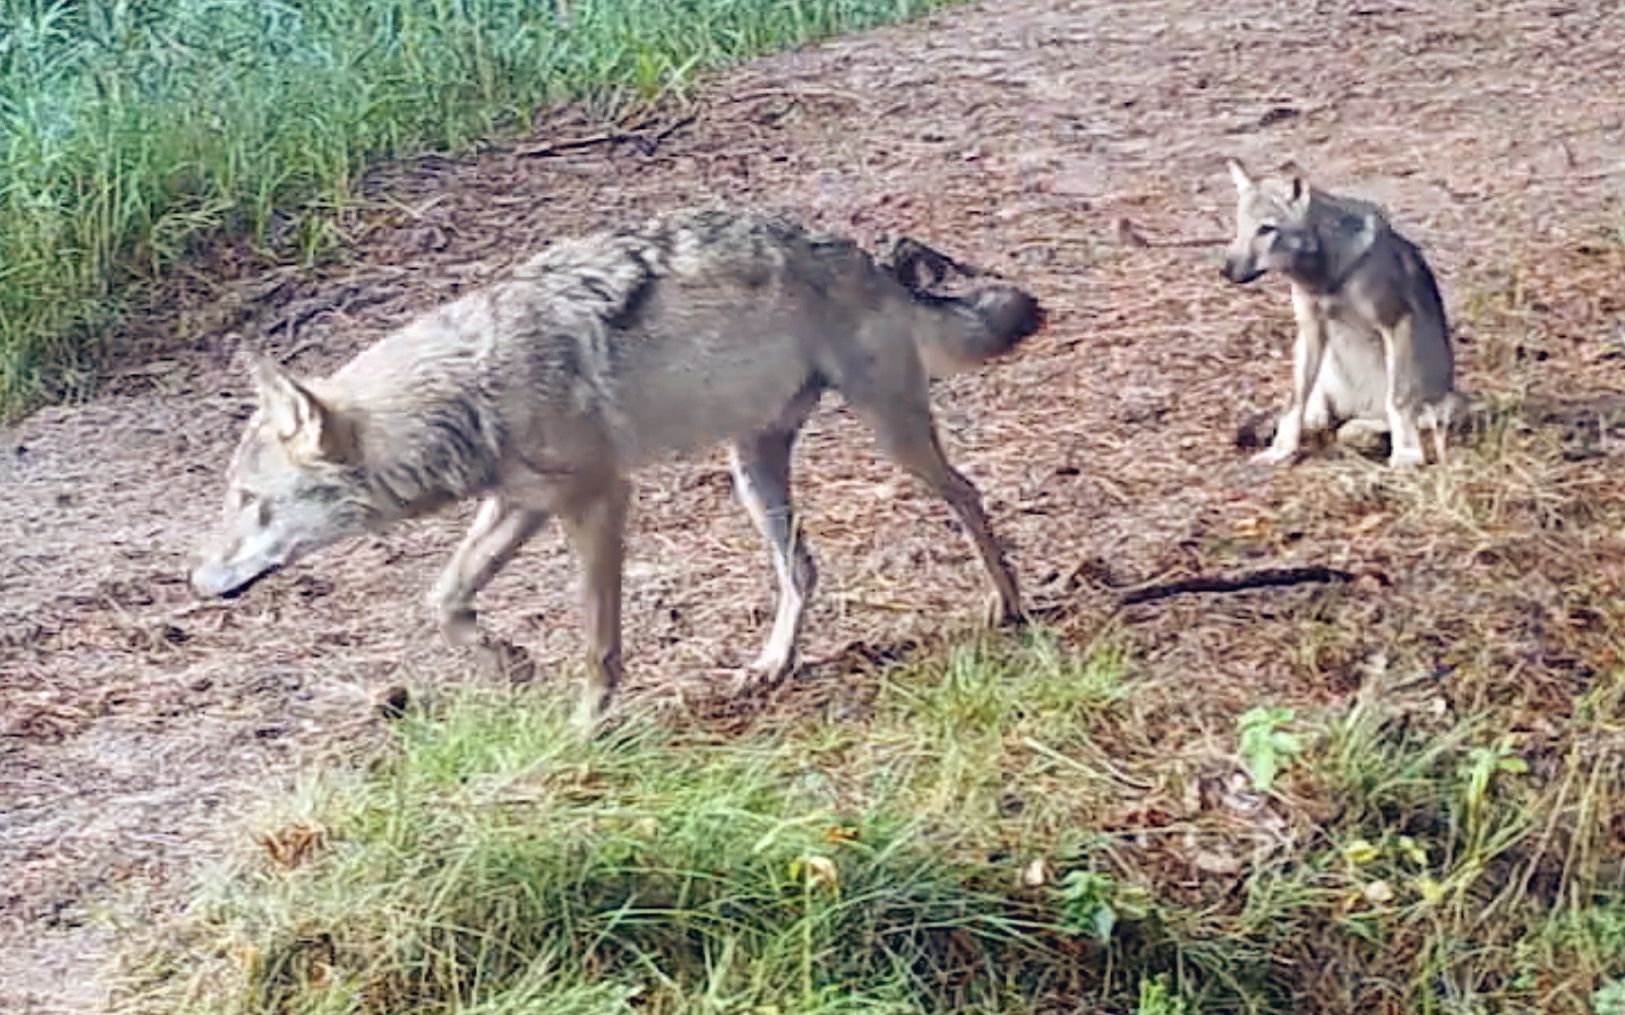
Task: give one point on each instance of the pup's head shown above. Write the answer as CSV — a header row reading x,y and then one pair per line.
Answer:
x,y
290,489
1271,234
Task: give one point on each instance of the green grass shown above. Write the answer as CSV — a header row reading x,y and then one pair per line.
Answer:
x,y
947,852
134,132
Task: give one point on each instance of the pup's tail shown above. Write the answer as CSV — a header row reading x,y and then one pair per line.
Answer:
x,y
961,331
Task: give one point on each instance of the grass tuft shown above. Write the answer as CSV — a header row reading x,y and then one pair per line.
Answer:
x,y
133,133
996,834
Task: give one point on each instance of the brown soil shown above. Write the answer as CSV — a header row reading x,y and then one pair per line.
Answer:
x,y
137,728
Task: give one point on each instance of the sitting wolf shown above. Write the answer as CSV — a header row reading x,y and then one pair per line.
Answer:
x,y
542,392
1373,351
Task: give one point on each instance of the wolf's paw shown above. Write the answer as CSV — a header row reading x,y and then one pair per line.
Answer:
x,y
768,671
1407,458
1274,456
592,712
506,661
998,611
460,628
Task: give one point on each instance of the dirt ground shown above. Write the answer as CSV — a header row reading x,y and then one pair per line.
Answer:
x,y
137,728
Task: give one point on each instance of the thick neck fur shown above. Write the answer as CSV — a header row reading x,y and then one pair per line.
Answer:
x,y
416,440
1343,230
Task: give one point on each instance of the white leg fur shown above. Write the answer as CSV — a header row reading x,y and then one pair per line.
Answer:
x,y
1402,425
1308,353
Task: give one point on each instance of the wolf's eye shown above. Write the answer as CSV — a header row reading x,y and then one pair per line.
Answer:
x,y
244,499
1266,230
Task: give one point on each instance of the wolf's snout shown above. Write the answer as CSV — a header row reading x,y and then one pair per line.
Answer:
x,y
208,581
216,580
214,574
1239,270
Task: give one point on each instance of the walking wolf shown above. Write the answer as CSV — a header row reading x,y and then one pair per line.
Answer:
x,y
542,392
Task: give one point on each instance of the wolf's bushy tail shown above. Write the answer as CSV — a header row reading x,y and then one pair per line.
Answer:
x,y
964,330
969,330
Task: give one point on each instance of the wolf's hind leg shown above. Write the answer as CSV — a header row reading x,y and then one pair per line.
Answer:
x,y
1440,419
906,432
500,529
1363,436
596,527
761,471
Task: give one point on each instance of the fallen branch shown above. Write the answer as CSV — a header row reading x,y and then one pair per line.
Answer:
x,y
1273,577
644,139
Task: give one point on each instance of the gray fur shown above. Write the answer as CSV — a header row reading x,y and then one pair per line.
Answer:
x,y
541,392
1373,350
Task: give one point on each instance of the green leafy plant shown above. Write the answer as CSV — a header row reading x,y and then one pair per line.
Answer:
x,y
1265,745
1086,899
1157,998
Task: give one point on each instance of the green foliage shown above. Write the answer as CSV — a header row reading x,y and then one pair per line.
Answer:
x,y
130,133
1265,745
1157,999
1609,999
943,853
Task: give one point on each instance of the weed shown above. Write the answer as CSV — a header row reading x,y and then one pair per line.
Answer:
x,y
1157,999
1266,745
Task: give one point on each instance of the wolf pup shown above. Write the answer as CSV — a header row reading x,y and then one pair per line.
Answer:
x,y
541,393
1373,351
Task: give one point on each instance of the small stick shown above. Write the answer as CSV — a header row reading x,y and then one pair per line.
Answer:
x,y
1268,578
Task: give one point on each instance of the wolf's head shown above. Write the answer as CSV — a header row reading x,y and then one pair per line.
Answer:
x,y
1272,226
291,489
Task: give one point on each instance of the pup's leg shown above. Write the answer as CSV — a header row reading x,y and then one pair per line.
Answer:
x,y
1317,410
500,529
596,527
761,472
1441,418
1436,430
1308,352
1403,425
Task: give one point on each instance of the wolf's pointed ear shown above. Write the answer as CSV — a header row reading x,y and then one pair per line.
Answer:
x,y
1298,194
1297,186
1238,173
297,416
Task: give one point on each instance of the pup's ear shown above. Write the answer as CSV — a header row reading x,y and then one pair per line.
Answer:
x,y
1297,185
297,417
1238,173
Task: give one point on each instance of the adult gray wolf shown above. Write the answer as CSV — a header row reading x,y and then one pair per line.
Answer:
x,y
1373,348
540,394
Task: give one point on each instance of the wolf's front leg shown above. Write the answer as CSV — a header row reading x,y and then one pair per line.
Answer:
x,y
499,530
1308,352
